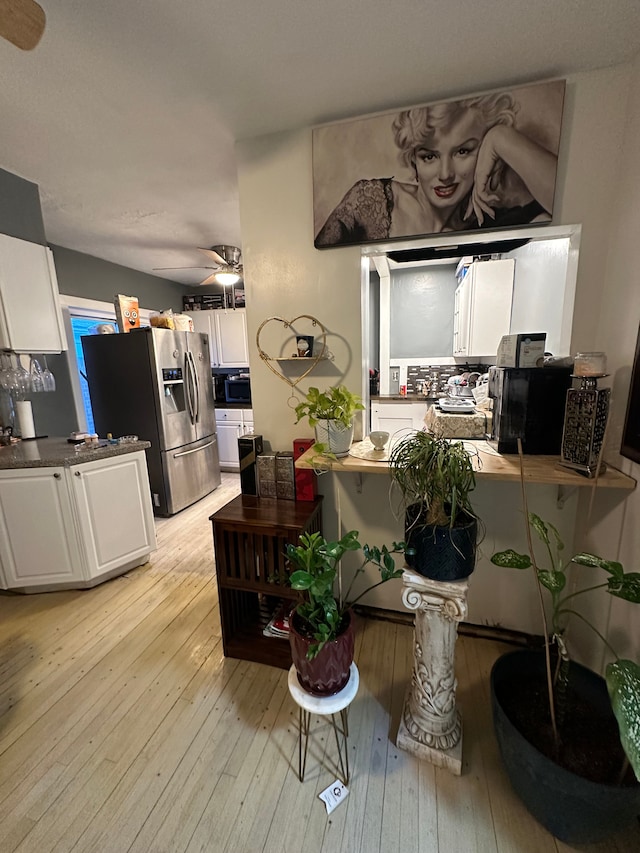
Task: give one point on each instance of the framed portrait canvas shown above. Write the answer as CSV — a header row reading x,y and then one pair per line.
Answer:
x,y
631,436
475,163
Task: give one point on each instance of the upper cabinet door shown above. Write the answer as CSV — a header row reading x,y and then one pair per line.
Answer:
x,y
30,317
204,323
231,335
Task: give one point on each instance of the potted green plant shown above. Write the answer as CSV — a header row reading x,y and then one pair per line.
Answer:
x,y
434,477
321,624
331,414
555,724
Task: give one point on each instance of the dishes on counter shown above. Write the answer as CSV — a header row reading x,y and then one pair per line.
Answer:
x,y
457,405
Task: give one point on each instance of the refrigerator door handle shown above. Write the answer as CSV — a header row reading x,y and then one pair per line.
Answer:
x,y
196,388
188,381
195,450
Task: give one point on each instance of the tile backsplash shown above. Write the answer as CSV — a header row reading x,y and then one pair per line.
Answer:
x,y
437,375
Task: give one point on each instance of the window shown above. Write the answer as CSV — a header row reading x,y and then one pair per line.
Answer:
x,y
84,326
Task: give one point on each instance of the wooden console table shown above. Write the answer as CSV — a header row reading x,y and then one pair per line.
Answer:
x,y
250,536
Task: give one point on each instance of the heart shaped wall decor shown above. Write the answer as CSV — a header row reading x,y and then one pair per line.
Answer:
x,y
310,362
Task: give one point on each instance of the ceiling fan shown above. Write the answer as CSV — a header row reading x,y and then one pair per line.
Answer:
x,y
22,22
228,270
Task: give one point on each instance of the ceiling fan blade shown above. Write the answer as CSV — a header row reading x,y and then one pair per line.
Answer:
x,y
209,280
213,255
22,22
157,269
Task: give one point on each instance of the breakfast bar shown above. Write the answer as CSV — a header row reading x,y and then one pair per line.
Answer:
x,y
488,464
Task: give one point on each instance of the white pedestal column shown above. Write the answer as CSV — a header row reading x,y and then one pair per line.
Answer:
x,y
431,725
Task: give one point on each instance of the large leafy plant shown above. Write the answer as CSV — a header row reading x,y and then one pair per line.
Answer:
x,y
622,676
435,474
335,404
317,562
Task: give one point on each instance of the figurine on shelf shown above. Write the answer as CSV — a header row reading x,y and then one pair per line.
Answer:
x,y
304,346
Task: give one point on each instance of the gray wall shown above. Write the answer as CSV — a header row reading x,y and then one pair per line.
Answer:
x,y
422,302
92,278
20,213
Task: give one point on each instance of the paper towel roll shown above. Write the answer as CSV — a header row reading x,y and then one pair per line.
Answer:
x,y
25,419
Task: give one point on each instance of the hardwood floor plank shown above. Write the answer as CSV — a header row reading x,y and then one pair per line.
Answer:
x,y
179,809
143,780
380,774
408,813
88,684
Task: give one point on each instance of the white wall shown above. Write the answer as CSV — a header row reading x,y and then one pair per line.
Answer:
x,y
539,291
616,533
286,275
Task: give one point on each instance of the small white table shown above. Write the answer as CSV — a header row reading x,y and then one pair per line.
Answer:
x,y
324,706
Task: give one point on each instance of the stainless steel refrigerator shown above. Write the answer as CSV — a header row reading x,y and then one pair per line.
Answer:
x,y
156,384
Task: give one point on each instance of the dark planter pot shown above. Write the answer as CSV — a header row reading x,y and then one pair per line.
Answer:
x,y
328,672
441,553
574,809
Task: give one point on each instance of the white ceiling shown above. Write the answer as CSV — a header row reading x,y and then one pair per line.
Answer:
x,y
126,113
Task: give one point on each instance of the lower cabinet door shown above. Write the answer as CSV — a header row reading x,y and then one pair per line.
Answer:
x,y
38,543
228,434
113,506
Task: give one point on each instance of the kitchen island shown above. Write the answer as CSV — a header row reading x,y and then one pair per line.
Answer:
x,y
70,519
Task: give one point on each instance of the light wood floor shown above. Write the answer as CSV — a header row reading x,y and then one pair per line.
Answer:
x,y
123,728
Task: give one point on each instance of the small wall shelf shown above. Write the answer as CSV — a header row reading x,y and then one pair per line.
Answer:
x,y
300,358
309,361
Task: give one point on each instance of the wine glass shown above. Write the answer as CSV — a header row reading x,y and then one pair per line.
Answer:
x,y
48,377
23,382
37,379
7,373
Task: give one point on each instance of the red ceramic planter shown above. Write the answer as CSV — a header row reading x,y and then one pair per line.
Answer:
x,y
328,672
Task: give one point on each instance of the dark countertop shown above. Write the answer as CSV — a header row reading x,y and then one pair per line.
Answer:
x,y
397,398
232,406
58,452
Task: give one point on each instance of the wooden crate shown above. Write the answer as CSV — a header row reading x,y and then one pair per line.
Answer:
x,y
250,536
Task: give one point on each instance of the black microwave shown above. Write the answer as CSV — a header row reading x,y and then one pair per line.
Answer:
x,y
237,390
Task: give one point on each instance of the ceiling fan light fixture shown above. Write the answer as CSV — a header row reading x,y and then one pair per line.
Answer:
x,y
227,276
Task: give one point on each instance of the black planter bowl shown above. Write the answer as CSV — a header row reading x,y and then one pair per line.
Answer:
x,y
574,809
441,553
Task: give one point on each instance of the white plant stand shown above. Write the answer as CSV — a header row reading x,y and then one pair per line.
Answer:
x,y
431,724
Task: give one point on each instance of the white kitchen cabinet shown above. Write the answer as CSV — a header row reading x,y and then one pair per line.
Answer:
x,y
247,421
231,424
72,527
113,508
482,310
394,416
38,541
227,330
30,316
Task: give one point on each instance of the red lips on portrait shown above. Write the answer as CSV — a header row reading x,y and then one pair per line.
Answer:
x,y
445,192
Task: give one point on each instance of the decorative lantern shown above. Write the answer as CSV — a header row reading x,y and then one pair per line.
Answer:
x,y
586,414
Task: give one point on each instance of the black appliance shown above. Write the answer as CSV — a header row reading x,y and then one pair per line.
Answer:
x,y
218,387
237,389
528,403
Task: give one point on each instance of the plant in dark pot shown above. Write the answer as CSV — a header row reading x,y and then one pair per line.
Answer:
x,y
321,625
433,477
570,740
331,413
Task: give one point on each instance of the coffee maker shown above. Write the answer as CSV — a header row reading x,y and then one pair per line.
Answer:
x,y
528,403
